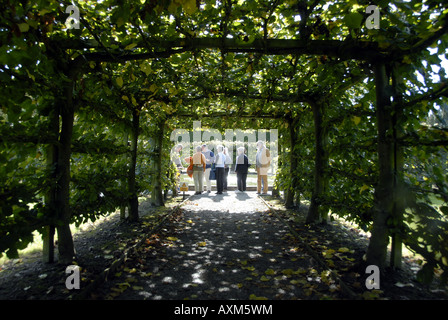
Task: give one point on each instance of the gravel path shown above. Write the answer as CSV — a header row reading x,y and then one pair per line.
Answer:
x,y
224,247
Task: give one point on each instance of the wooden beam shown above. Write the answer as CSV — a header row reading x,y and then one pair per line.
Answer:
x,y
345,50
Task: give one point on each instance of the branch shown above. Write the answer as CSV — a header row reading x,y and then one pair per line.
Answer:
x,y
103,57
425,43
361,50
428,96
87,25
231,114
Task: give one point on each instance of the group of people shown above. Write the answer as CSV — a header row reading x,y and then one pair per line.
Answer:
x,y
205,165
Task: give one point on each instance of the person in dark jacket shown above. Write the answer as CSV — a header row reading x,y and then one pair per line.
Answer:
x,y
241,168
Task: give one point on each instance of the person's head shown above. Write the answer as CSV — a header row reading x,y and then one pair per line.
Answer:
x,y
260,144
240,150
198,149
220,148
204,147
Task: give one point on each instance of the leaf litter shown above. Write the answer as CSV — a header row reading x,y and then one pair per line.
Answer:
x,y
231,265
241,254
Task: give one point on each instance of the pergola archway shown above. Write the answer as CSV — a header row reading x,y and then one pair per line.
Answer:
x,y
285,56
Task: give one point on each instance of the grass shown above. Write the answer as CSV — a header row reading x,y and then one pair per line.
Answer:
x,y
36,245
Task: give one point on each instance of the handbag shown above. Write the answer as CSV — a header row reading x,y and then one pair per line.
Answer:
x,y
190,167
190,171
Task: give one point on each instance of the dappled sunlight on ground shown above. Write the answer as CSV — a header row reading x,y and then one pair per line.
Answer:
x,y
225,247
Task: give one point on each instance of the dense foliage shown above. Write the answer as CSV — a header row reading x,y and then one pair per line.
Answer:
x,y
86,113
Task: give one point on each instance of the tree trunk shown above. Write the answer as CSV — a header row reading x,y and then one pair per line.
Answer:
x,y
65,240
276,191
157,192
133,197
50,197
123,183
399,197
289,201
384,192
315,212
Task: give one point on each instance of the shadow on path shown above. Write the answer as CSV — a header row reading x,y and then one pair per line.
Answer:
x,y
224,247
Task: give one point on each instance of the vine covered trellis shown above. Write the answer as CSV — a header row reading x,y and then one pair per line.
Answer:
x,y
86,113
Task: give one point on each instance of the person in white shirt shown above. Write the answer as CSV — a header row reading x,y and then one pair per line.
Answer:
x,y
220,161
209,158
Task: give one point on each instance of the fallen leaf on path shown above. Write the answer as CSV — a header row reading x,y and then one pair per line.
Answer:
x,y
328,253
254,297
269,272
137,288
264,279
401,285
288,272
133,270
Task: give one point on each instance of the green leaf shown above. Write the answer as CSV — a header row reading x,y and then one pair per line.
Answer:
x,y
189,6
130,46
119,81
353,20
356,120
264,279
269,272
146,68
23,27
363,188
